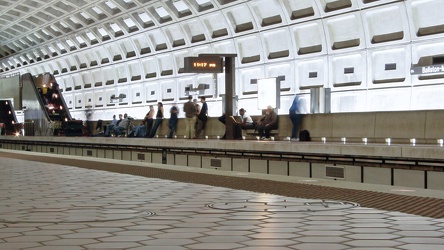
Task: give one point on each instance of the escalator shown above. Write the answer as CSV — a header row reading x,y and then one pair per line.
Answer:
x,y
43,105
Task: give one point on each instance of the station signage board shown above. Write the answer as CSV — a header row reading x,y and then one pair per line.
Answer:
x,y
203,64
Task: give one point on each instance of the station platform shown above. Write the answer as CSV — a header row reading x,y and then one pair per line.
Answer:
x,y
409,165
52,200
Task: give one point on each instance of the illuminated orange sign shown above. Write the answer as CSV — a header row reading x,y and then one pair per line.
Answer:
x,y
203,64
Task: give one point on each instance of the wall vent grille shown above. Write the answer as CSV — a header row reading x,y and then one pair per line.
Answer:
x,y
216,163
141,157
335,172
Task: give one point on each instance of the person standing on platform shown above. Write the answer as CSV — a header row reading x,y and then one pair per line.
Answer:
x,y
202,117
295,114
159,119
267,123
190,116
149,120
196,113
174,114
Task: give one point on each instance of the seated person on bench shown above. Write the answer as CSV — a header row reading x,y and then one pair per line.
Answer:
x,y
245,123
267,123
124,125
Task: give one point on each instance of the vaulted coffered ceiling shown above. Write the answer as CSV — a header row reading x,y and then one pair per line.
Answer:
x,y
67,25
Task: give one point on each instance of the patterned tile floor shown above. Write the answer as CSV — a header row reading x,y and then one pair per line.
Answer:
x,y
52,206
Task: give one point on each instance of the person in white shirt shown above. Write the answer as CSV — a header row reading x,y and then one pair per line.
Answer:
x,y
245,123
245,120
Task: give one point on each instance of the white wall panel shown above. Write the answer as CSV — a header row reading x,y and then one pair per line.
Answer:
x,y
86,79
150,68
389,67
137,94
283,69
226,46
348,71
168,90
109,75
47,67
309,39
63,67
68,100
142,44
127,48
202,49
121,73
114,51
425,54
124,95
102,55
312,73
216,25
34,70
344,32
78,81
97,77
194,30
183,84
69,86
151,92
348,101
239,19
386,25
179,60
175,35
158,39
428,97
221,83
335,7
267,13
81,59
426,18
110,93
301,10
245,80
78,101
88,99
71,63
249,49
166,65
134,71
91,58
208,80
277,44
61,82
54,67
389,99
99,98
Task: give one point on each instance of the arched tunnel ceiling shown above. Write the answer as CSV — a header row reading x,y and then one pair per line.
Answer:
x,y
27,24
362,49
32,31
